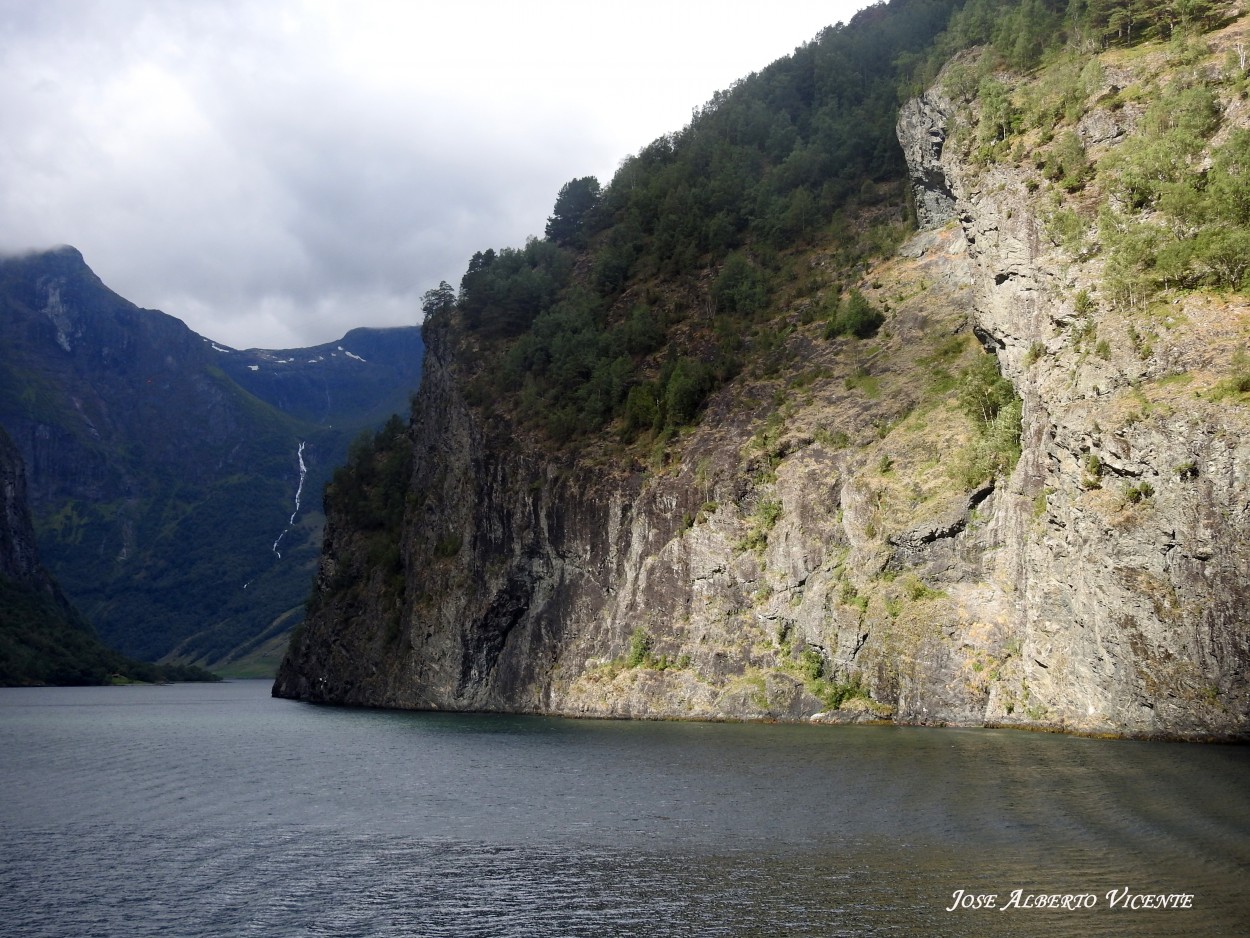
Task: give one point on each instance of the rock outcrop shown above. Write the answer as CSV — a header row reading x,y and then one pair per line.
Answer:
x,y
922,132
818,559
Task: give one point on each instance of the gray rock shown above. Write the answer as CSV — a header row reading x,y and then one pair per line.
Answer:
x,y
921,128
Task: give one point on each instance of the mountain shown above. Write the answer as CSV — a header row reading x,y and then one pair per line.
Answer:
x,y
175,482
43,639
352,384
795,421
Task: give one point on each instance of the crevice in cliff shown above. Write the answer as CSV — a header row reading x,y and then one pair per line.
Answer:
x,y
990,342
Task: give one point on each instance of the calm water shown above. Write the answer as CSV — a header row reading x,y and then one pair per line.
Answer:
x,y
215,810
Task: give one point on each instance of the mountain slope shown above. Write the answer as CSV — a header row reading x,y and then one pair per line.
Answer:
x,y
43,640
164,490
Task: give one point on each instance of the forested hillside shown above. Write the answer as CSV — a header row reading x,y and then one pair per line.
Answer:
x,y
43,639
647,293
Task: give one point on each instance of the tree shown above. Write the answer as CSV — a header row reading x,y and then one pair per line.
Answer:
x,y
1229,179
642,409
983,391
688,385
998,115
740,288
440,300
1226,251
567,223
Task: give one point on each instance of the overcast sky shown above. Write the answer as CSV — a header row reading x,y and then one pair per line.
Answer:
x,y
276,172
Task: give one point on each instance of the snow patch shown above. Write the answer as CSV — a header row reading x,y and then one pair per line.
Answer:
x,y
253,367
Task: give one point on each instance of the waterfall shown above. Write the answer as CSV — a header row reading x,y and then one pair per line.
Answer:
x,y
299,491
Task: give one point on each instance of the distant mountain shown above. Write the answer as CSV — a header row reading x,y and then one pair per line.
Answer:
x,y
356,382
176,483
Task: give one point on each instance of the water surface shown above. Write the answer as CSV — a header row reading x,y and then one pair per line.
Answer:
x,y
216,810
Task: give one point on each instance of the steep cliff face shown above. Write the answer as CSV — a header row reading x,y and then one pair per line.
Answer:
x,y
829,544
1124,569
747,579
19,557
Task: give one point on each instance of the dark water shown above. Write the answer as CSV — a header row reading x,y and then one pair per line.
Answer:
x,y
215,810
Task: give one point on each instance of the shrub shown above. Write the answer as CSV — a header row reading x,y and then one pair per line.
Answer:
x,y
1238,381
856,317
983,391
768,513
448,545
639,649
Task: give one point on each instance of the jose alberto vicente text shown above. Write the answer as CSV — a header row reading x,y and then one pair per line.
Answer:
x,y
1070,901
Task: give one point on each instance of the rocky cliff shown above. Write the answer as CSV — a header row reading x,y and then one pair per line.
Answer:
x,y
848,540
1118,565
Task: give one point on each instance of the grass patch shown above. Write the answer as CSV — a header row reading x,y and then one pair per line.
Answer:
x,y
866,384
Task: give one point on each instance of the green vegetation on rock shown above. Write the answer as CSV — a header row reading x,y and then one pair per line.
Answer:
x,y
637,304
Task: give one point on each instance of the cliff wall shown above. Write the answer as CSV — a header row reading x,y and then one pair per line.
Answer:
x,y
43,640
1123,566
823,547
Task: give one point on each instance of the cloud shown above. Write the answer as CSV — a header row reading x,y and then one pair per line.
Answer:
x,y
275,174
